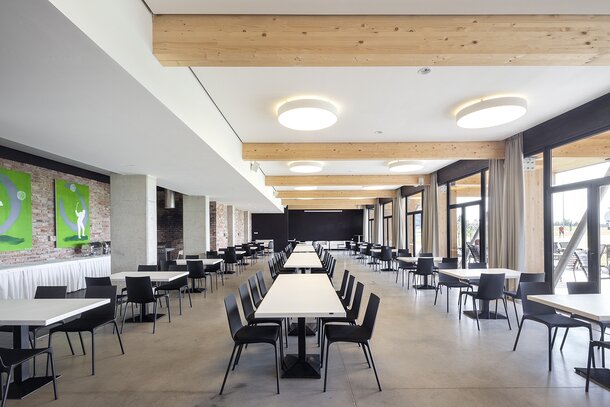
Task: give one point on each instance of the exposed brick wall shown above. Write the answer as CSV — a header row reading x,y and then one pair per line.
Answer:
x,y
219,231
43,214
169,223
238,223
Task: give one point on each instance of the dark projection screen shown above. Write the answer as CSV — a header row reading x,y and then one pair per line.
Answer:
x,y
343,225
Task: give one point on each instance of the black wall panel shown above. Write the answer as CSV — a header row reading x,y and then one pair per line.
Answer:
x,y
271,226
343,225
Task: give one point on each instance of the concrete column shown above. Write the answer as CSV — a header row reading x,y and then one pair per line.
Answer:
x,y
196,224
247,224
133,221
231,225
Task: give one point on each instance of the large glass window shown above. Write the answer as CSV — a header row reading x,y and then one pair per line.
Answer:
x,y
371,213
387,210
414,222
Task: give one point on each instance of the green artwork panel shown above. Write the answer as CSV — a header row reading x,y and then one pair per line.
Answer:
x,y
71,213
15,210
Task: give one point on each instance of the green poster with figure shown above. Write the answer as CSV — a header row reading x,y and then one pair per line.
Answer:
x,y
71,213
15,210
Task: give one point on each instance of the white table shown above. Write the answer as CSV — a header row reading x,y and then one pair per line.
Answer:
x,y
414,259
301,296
303,261
592,306
306,248
205,262
21,314
475,274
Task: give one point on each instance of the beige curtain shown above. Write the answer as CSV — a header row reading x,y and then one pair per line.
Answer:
x,y
378,235
399,226
365,225
507,208
430,221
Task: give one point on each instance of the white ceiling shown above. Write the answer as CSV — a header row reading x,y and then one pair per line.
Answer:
x,y
62,94
379,6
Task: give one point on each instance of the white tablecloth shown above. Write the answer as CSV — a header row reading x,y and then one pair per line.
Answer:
x,y
20,281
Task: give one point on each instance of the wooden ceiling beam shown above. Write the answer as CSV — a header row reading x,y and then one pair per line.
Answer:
x,y
474,150
597,146
349,202
381,40
386,193
345,180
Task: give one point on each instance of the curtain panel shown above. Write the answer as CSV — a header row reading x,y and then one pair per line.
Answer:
x,y
430,218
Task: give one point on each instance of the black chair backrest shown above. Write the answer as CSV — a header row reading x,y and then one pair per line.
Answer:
x,y
331,269
256,297
532,307
491,286
163,265
211,254
386,253
246,301
230,256
370,314
357,299
344,282
529,278
105,312
447,265
97,282
195,269
587,287
261,283
444,278
404,253
179,267
191,256
139,289
148,267
477,265
349,289
233,315
425,254
425,266
50,291
450,260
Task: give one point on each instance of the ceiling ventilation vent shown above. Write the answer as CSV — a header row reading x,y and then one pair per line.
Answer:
x,y
170,199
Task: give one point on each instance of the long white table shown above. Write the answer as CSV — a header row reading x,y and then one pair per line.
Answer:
x,y
205,262
304,248
303,261
21,314
301,296
475,274
592,306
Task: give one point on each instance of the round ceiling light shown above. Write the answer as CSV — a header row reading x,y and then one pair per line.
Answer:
x,y
305,188
404,166
305,167
307,114
491,112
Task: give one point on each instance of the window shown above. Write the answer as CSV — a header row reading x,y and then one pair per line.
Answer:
x,y
371,213
414,222
387,210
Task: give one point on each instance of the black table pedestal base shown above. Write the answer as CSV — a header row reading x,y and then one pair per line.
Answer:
x,y
19,390
424,287
388,269
303,369
484,315
600,376
196,290
310,329
145,318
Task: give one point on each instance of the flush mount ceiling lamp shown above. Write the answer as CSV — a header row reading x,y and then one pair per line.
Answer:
x,y
491,112
305,167
305,188
307,114
404,166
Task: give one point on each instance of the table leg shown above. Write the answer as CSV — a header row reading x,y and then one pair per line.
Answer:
x,y
23,384
484,312
302,365
425,285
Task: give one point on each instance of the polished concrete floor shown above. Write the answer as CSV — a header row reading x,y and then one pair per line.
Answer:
x,y
424,355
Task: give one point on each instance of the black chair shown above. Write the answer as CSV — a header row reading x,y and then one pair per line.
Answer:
x,y
140,291
543,314
594,344
256,296
244,335
148,267
211,254
249,312
92,320
524,278
425,269
197,273
475,281
11,358
230,258
261,283
106,282
425,254
348,292
341,291
449,282
360,334
191,256
180,285
491,287
351,315
178,267
387,257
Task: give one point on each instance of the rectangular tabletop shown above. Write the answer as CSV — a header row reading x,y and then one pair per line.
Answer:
x,y
156,276
206,262
238,252
414,259
592,306
44,312
301,296
303,260
473,274
304,249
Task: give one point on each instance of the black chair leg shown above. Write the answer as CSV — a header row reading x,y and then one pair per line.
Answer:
x,y
189,294
236,361
118,335
277,366
563,341
92,353
447,295
326,364
476,312
228,368
70,344
52,363
436,294
180,301
124,315
506,311
554,336
368,346
82,344
518,333
169,312
551,346
366,356
589,358
515,307
154,316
